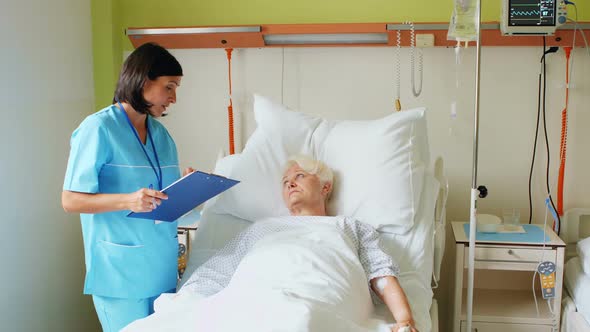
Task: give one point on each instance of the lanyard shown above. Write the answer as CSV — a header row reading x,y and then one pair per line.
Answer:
x,y
158,172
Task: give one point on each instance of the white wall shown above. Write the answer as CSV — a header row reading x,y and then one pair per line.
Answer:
x,y
46,90
358,83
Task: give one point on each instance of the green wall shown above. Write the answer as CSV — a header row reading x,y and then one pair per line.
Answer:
x,y
112,17
106,50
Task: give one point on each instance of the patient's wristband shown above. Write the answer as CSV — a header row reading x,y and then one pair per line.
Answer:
x,y
405,326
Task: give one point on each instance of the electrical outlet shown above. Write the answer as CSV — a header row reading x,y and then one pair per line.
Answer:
x,y
424,40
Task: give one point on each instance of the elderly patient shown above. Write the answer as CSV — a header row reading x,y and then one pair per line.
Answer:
x,y
306,188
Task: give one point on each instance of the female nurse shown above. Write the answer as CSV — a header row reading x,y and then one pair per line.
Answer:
x,y
117,156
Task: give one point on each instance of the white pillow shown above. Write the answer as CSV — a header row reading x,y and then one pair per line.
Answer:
x,y
379,165
280,133
379,171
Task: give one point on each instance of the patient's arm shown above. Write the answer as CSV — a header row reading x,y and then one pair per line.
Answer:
x,y
375,262
381,270
389,290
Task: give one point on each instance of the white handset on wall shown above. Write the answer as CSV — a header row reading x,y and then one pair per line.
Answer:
x,y
415,90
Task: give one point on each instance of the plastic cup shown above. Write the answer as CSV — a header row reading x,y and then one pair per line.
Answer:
x,y
511,216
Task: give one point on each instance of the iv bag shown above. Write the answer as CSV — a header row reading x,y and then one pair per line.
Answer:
x,y
463,25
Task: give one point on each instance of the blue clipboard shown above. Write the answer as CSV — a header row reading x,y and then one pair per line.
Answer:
x,y
186,194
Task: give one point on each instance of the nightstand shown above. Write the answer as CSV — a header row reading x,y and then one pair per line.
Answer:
x,y
503,295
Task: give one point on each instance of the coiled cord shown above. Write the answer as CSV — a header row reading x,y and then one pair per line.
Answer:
x,y
415,91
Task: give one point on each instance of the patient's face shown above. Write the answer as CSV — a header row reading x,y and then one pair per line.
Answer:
x,y
301,188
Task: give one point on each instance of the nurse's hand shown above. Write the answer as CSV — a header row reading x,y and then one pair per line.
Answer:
x,y
187,171
145,200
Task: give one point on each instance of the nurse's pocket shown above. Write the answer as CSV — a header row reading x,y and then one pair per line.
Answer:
x,y
121,270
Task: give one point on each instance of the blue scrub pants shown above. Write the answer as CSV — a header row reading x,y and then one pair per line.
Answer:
x,y
115,313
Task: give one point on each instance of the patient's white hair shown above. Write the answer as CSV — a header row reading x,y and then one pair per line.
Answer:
x,y
312,166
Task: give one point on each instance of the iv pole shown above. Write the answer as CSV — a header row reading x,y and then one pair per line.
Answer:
x,y
480,191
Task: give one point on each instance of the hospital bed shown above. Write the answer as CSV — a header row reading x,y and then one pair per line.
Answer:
x,y
417,248
576,300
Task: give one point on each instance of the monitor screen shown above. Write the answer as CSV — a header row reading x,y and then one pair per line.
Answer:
x,y
528,13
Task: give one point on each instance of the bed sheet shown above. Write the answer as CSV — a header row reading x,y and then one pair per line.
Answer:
x,y
571,320
577,284
413,251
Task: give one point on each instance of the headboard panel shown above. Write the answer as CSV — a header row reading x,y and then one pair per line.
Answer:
x,y
576,226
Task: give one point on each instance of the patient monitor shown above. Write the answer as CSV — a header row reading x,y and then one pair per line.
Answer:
x,y
532,17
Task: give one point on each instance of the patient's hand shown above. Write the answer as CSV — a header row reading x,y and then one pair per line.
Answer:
x,y
404,327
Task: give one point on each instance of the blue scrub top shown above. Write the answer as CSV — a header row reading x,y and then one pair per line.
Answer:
x,y
125,257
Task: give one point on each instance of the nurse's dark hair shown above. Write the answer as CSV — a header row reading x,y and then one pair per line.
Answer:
x,y
148,61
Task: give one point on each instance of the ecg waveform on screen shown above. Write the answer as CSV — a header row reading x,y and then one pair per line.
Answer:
x,y
536,13
531,12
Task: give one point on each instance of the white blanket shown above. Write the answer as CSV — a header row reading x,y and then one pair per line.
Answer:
x,y
307,278
578,286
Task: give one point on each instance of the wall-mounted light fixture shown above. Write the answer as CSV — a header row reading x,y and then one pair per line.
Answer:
x,y
189,31
326,39
331,34
198,37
